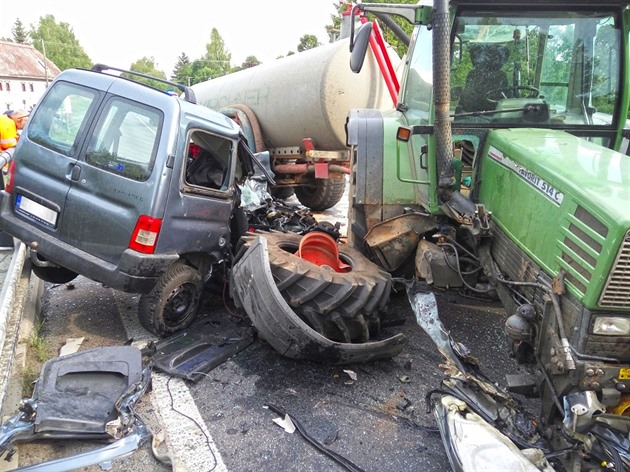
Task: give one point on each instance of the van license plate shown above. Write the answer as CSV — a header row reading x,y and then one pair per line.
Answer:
x,y
35,210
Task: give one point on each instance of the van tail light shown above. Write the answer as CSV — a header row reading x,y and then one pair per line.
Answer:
x,y
9,180
145,234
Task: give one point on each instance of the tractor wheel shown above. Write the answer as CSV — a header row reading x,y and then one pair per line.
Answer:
x,y
321,194
173,303
344,307
55,275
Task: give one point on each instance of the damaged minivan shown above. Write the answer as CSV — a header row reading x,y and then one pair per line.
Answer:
x,y
103,191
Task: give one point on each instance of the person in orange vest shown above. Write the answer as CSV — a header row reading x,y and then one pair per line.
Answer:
x,y
10,122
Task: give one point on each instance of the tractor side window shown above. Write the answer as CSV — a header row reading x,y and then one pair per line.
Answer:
x,y
549,69
209,161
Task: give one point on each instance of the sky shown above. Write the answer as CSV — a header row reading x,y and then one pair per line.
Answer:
x,y
117,32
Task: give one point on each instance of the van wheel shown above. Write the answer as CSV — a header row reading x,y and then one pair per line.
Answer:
x,y
344,307
173,303
54,275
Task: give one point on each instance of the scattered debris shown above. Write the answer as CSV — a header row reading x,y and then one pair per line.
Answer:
x,y
347,464
191,353
61,407
285,423
481,425
352,375
158,440
72,345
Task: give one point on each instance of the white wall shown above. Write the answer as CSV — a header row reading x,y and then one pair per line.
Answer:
x,y
20,93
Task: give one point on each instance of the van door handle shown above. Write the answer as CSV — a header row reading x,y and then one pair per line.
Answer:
x,y
76,172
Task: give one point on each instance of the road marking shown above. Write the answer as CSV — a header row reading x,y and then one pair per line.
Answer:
x,y
192,443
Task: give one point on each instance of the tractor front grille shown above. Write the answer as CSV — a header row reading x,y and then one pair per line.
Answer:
x,y
581,247
617,291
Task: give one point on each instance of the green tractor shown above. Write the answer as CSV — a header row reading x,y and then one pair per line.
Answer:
x,y
502,172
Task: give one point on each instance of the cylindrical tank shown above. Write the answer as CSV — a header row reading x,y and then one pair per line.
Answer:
x,y
305,95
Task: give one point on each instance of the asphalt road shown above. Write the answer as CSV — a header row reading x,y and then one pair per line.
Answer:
x,y
377,421
220,423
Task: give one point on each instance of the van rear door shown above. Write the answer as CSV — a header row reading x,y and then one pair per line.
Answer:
x,y
114,182
48,151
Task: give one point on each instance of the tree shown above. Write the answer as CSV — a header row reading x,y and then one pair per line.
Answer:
x,y
183,72
60,45
308,41
146,66
214,63
334,29
390,37
250,61
200,72
20,35
217,58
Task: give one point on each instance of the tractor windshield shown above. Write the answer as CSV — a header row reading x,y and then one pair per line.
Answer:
x,y
552,69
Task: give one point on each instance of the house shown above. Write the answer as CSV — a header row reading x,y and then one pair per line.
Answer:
x,y
24,75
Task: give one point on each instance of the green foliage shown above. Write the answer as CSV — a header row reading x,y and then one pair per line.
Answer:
x,y
20,35
250,61
389,36
214,63
38,344
183,70
58,43
146,66
308,41
217,57
334,29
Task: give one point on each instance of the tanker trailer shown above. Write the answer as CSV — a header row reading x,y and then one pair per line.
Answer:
x,y
296,107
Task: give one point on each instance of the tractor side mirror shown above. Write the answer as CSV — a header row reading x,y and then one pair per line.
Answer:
x,y
358,47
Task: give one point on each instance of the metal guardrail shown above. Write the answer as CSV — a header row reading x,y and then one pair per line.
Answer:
x,y
10,314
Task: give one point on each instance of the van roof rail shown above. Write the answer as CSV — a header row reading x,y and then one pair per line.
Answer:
x,y
189,94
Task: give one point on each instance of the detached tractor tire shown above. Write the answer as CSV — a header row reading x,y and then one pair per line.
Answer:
x,y
343,307
54,275
173,303
321,194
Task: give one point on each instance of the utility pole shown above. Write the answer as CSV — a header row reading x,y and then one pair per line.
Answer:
x,y
45,62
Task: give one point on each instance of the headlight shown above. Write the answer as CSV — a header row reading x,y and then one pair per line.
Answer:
x,y
611,326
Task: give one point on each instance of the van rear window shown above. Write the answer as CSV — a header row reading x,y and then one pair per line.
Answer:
x,y
60,117
125,139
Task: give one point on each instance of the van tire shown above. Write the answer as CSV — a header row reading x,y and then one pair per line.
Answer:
x,y
54,275
321,194
344,307
173,303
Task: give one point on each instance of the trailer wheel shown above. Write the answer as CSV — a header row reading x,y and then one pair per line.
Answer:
x,y
282,193
173,303
321,194
344,307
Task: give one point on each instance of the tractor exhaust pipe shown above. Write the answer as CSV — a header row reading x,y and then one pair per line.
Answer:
x,y
442,98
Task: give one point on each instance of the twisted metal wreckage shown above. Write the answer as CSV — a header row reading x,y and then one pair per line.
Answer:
x,y
482,425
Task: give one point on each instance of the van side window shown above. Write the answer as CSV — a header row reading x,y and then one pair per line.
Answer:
x,y
59,118
125,140
208,163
